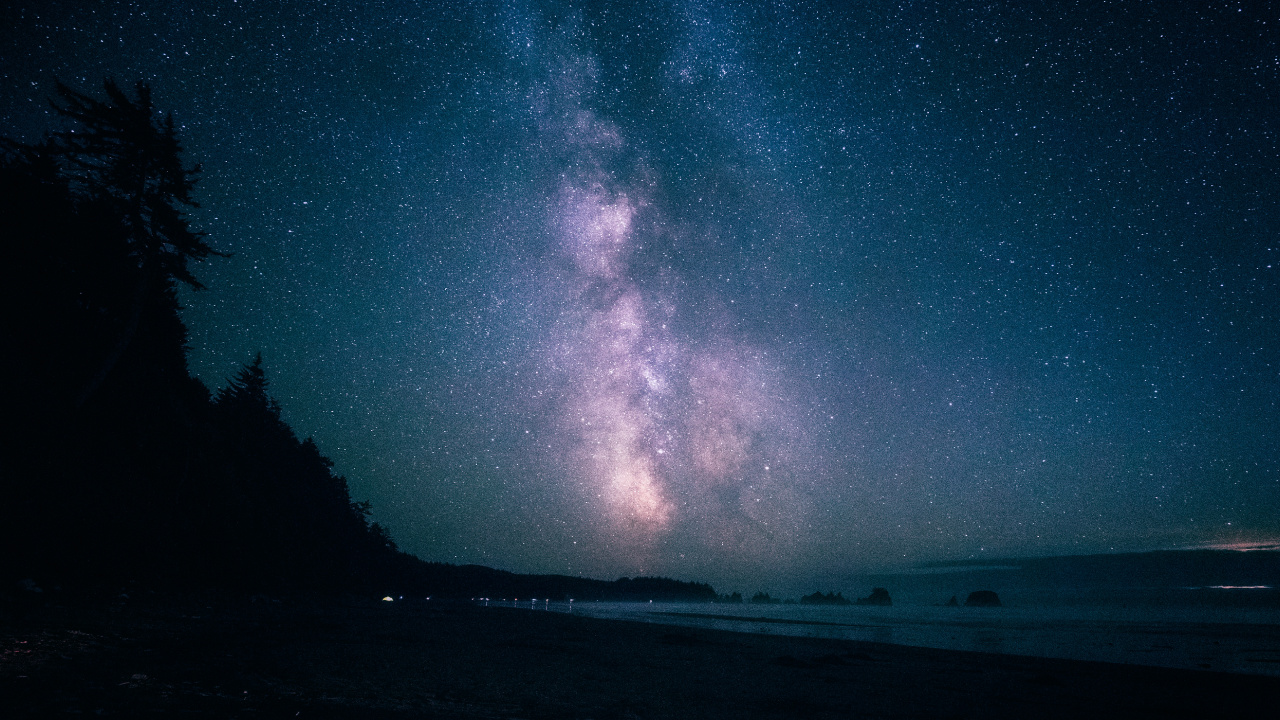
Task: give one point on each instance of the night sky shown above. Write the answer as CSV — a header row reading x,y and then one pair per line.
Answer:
x,y
727,294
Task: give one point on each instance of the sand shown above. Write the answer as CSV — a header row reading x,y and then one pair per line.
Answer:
x,y
288,657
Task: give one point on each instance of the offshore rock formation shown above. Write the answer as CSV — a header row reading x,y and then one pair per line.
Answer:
x,y
878,596
817,598
982,598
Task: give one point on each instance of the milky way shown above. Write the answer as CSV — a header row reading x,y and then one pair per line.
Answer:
x,y
661,435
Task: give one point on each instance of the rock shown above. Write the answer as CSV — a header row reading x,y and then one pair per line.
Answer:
x,y
878,596
817,598
982,598
953,602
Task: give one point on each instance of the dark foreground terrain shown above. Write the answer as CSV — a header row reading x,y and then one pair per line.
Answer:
x,y
267,657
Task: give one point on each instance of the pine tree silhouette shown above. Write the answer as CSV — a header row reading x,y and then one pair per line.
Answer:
x,y
246,393
122,156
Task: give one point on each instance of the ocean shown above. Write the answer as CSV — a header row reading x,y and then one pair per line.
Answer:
x,y
1224,638
1198,610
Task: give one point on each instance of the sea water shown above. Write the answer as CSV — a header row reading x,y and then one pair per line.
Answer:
x,y
1219,629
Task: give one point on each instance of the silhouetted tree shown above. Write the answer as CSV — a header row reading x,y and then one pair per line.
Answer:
x,y
293,518
122,151
121,155
246,395
87,491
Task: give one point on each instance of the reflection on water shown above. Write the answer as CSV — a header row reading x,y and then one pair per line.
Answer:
x,y
1232,639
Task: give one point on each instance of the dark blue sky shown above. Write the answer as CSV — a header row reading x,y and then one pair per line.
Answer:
x,y
734,294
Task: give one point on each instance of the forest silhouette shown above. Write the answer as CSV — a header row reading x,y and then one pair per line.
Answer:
x,y
120,467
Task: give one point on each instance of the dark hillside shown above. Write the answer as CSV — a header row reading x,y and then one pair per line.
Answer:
x,y
120,466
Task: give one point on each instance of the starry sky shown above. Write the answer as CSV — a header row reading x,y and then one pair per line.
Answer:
x,y
733,293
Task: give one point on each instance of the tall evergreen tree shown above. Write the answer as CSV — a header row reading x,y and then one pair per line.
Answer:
x,y
122,155
246,393
122,151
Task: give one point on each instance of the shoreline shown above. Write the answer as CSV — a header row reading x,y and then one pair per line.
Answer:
x,y
1243,645
295,657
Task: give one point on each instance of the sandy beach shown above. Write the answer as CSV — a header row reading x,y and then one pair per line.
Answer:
x,y
286,657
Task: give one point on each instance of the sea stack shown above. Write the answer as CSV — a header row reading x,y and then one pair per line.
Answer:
x,y
982,598
878,596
